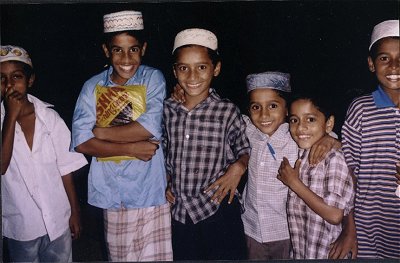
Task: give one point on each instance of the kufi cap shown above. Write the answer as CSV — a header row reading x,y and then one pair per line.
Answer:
x,y
269,80
388,28
14,53
123,21
196,36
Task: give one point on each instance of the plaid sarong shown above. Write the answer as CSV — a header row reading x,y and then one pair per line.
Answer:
x,y
142,234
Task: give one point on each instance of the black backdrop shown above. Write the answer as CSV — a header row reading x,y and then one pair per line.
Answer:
x,y
323,44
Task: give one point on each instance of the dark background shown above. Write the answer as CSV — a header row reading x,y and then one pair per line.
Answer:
x,y
322,44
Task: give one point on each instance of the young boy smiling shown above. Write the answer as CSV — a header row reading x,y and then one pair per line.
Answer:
x,y
117,120
320,195
206,155
370,137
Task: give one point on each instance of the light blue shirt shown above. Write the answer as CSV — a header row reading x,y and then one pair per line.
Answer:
x,y
130,183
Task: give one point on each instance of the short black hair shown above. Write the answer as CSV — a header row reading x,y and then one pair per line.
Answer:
x,y
374,49
140,36
213,54
319,98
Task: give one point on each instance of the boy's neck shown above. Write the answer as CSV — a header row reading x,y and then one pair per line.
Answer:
x,y
192,101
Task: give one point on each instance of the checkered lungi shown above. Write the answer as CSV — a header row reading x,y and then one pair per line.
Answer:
x,y
142,234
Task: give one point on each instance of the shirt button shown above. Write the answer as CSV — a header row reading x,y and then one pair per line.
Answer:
x,y
262,164
187,136
190,114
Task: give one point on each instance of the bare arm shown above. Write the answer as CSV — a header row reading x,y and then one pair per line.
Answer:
x,y
143,150
74,220
13,103
132,132
347,241
321,148
290,177
230,180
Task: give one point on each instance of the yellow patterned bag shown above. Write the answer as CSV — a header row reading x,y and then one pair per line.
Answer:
x,y
117,106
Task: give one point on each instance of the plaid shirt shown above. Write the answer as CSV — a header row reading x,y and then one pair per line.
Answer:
x,y
199,146
265,197
331,180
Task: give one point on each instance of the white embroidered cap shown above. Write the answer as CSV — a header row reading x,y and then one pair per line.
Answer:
x,y
388,28
14,53
122,21
196,36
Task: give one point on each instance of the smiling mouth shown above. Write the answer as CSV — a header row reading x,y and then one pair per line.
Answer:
x,y
393,77
304,137
193,86
266,123
126,68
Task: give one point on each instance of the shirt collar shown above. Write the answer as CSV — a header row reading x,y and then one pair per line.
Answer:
x,y
381,99
213,96
38,104
131,81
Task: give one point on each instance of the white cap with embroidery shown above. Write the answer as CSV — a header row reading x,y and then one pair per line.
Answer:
x,y
123,21
14,53
196,36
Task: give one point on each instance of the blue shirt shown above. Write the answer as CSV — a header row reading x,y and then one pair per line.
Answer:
x,y
129,183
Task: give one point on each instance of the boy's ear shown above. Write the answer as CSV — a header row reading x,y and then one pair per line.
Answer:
x,y
105,49
330,122
217,69
371,64
143,51
31,80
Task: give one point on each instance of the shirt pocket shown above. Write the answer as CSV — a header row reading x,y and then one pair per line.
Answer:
x,y
46,152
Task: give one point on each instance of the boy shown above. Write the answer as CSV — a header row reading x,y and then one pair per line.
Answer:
x,y
40,210
264,218
123,105
371,143
206,155
319,194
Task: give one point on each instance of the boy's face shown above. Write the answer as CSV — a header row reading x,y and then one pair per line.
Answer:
x,y
386,65
13,77
307,124
125,54
194,71
267,110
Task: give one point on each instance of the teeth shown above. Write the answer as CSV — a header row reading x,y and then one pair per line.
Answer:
x,y
193,85
126,68
266,123
304,136
393,77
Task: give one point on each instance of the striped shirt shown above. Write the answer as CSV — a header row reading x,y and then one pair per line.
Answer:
x,y
200,144
371,143
330,179
265,196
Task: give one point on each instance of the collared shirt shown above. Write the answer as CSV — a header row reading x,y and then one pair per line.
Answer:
x,y
200,145
265,196
330,179
371,144
34,201
129,183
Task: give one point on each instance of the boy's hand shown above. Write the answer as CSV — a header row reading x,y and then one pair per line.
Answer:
x,y
344,244
170,196
145,150
13,103
98,132
178,94
227,183
288,175
75,225
321,148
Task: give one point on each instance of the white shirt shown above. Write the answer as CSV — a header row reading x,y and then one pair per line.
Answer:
x,y
34,201
265,197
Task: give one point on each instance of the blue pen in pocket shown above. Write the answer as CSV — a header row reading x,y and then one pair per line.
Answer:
x,y
271,150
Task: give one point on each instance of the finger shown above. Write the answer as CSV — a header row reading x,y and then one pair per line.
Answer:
x,y
214,185
297,164
231,196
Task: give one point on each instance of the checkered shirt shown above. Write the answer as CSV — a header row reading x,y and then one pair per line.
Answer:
x,y
331,180
265,197
199,146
